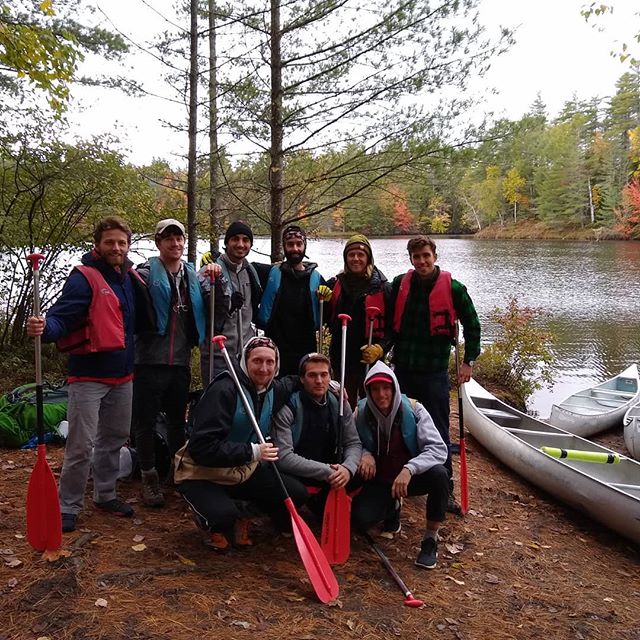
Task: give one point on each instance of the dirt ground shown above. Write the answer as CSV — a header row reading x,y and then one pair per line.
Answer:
x,y
518,565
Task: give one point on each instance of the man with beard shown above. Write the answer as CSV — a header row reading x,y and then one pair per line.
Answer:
x,y
289,310
93,320
242,293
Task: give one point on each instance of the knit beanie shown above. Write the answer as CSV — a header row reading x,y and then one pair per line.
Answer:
x,y
359,241
238,228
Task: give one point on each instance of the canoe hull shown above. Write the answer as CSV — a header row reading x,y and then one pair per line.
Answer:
x,y
632,431
600,407
588,487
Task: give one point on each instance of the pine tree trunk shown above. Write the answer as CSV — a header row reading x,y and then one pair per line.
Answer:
x,y
192,229
277,134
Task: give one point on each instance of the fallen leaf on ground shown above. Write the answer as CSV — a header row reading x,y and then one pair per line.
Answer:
x,y
491,578
454,548
101,602
12,562
139,547
351,624
241,623
138,538
454,580
52,556
12,583
185,561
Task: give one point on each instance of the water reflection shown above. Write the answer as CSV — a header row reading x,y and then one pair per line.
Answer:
x,y
591,292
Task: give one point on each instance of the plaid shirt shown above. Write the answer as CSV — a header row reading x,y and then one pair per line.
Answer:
x,y
415,349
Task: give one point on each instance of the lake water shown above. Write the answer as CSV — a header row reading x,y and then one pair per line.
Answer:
x,y
591,292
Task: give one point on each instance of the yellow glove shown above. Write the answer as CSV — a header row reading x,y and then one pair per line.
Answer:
x,y
371,353
324,293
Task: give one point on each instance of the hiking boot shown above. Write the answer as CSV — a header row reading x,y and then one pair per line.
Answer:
x,y
151,493
217,541
241,533
428,556
69,522
392,524
115,507
453,506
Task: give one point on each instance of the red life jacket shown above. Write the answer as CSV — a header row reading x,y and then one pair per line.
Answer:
x,y
370,300
442,314
103,329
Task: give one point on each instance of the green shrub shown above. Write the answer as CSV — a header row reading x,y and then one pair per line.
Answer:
x,y
521,358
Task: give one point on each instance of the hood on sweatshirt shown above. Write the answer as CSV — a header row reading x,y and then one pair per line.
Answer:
x,y
384,422
254,343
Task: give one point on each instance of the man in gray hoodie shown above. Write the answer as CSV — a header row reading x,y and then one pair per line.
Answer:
x,y
403,455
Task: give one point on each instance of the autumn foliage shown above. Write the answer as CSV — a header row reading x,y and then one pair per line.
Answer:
x,y
628,215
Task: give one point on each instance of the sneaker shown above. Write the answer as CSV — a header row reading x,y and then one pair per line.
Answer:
x,y
151,493
69,522
217,541
392,524
115,507
428,556
241,533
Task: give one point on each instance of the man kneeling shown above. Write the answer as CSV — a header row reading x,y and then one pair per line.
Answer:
x,y
403,455
307,430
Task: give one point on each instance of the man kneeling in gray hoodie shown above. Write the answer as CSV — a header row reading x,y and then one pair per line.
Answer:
x,y
403,455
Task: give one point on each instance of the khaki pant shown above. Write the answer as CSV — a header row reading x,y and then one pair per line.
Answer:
x,y
99,416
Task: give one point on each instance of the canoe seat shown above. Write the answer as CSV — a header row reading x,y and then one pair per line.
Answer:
x,y
503,418
612,392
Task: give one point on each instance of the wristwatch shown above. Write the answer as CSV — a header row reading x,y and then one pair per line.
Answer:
x,y
471,363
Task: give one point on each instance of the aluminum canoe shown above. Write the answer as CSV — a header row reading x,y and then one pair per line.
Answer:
x,y
631,423
609,493
599,407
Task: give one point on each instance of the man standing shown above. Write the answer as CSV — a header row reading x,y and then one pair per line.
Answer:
x,y
307,428
93,319
242,293
289,309
403,455
360,287
163,356
427,304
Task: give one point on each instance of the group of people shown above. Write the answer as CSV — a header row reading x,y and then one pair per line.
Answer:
x,y
130,333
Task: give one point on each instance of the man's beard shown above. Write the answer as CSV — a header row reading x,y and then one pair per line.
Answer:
x,y
294,258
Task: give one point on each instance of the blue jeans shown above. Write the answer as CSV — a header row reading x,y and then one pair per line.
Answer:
x,y
432,391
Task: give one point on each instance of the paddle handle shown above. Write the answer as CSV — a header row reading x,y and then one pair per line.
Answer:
x,y
212,307
35,259
345,317
372,313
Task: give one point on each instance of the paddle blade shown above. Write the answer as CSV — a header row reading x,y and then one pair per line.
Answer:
x,y
464,487
335,540
320,574
44,524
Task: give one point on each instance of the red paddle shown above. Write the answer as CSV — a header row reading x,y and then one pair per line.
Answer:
x,y
44,524
336,522
320,574
464,488
372,313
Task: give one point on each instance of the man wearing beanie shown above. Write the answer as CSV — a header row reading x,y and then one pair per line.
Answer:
x,y
242,293
359,287
289,309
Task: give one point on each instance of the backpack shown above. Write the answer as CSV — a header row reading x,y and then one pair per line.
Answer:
x,y
18,414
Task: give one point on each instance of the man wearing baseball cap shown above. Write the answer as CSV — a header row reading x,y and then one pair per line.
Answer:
x,y
163,356
403,455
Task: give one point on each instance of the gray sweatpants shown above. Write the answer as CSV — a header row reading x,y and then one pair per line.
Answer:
x,y
99,416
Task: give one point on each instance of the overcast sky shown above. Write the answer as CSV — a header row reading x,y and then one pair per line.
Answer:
x,y
556,54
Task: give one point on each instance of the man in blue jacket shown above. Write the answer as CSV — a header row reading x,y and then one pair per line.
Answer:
x,y
289,309
163,355
93,319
